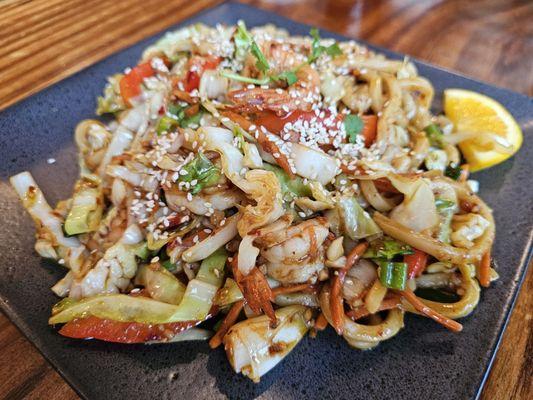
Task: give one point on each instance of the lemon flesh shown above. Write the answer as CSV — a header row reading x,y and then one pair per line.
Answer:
x,y
474,112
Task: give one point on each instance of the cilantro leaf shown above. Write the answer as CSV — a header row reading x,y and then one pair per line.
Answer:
x,y
387,249
334,50
244,41
287,76
261,63
435,136
353,125
317,49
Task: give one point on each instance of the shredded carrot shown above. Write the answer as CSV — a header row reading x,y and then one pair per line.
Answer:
x,y
266,144
192,110
321,322
184,96
362,311
484,270
302,287
336,304
228,322
370,129
238,119
273,149
429,312
313,247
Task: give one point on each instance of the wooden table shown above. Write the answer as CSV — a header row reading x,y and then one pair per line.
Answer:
x,y
43,41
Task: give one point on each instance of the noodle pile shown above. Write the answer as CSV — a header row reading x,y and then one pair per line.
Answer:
x,y
271,182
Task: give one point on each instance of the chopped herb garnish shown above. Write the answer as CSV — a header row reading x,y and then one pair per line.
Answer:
x,y
287,76
435,136
245,79
387,249
243,40
353,125
176,116
317,49
453,172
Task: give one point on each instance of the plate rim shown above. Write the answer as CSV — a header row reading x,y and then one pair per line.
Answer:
x,y
524,263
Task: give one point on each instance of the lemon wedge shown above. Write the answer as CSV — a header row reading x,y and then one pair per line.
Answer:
x,y
494,133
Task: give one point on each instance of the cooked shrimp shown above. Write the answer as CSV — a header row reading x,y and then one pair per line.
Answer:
x,y
299,96
295,255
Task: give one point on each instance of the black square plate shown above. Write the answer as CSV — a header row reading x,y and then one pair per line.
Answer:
x,y
423,361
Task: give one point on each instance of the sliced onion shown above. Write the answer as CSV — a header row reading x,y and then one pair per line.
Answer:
x,y
212,85
176,199
376,200
313,164
213,242
132,234
247,254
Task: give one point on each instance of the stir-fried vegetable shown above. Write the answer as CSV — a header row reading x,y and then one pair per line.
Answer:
x,y
446,210
194,306
131,332
387,249
160,283
453,172
416,263
130,84
289,187
393,275
87,206
254,347
435,135
228,294
244,42
315,169
112,101
317,49
200,173
356,223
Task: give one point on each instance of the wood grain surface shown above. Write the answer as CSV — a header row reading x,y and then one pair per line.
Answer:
x,y
43,41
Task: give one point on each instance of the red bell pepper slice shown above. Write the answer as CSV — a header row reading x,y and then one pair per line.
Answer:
x,y
122,332
195,68
130,84
416,263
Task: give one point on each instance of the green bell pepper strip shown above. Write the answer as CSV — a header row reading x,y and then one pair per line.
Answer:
x,y
393,275
435,136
